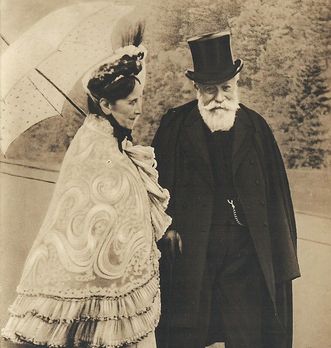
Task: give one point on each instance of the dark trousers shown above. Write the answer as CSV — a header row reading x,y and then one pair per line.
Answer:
x,y
234,299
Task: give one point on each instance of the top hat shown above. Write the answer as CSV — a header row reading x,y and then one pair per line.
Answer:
x,y
212,59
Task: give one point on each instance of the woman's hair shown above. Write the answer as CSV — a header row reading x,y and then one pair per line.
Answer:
x,y
116,79
112,92
118,83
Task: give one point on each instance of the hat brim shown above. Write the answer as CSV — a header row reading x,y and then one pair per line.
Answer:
x,y
219,77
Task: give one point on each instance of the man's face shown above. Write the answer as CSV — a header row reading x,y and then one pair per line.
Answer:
x,y
218,104
218,96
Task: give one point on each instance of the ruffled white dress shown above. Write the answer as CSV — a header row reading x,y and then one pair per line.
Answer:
x,y
91,278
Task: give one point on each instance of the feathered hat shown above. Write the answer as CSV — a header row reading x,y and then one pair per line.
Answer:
x,y
127,61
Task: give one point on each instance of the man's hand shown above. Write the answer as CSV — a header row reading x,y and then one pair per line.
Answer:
x,y
173,244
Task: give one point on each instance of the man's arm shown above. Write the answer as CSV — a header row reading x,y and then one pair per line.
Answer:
x,y
165,144
280,180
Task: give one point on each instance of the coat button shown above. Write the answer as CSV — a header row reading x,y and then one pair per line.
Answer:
x,y
262,202
251,162
265,224
257,182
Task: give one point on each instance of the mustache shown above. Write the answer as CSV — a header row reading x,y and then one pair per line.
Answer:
x,y
226,105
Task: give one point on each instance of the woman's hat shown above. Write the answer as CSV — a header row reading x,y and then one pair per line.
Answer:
x,y
212,58
126,62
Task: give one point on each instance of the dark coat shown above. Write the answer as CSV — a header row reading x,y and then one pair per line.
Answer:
x,y
261,184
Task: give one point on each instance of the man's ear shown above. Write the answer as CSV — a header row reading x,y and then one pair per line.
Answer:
x,y
196,87
105,106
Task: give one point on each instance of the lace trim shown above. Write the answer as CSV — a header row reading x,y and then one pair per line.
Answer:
x,y
83,317
99,124
19,339
143,158
110,334
90,333
84,294
57,309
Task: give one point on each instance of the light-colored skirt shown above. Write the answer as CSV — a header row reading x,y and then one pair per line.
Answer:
x,y
148,342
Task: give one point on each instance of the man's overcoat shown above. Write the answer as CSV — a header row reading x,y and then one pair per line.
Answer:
x,y
262,187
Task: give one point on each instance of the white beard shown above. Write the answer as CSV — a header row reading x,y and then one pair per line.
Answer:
x,y
219,119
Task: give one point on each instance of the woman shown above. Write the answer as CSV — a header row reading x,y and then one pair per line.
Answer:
x,y
91,278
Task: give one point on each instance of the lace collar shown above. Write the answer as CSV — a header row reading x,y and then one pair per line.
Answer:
x,y
99,124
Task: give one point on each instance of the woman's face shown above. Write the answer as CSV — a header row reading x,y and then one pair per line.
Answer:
x,y
126,111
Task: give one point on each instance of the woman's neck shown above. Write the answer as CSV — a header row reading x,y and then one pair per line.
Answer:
x,y
120,132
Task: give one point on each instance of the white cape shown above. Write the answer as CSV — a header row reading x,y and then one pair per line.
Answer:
x,y
91,277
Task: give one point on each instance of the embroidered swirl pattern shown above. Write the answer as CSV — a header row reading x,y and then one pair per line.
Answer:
x,y
97,227
93,268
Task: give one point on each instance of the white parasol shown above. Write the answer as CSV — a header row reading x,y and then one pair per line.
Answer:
x,y
39,70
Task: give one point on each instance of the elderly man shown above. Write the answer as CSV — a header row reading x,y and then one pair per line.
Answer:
x,y
230,254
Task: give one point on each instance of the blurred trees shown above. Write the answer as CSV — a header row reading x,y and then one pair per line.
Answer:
x,y
285,45
305,134
169,25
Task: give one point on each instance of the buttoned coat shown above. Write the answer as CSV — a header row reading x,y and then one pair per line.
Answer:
x,y
261,184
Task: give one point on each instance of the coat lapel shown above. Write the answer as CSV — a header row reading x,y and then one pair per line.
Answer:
x,y
243,138
194,128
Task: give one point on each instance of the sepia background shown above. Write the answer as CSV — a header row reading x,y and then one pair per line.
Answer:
x,y
285,46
